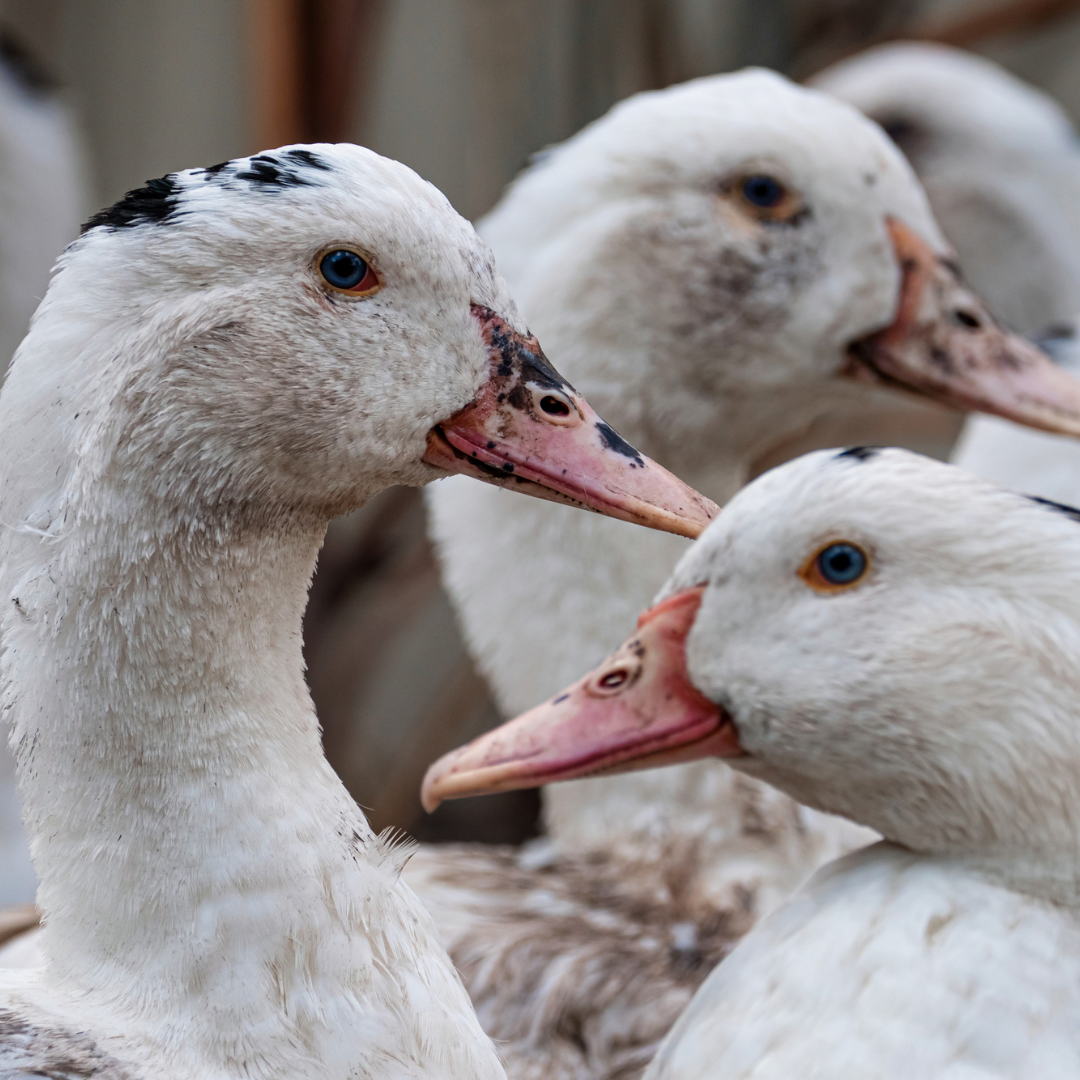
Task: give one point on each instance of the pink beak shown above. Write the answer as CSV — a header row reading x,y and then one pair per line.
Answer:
x,y
637,710
528,429
944,344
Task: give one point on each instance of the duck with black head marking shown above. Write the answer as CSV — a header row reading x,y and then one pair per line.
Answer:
x,y
223,362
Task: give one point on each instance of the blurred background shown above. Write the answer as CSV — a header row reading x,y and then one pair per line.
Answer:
x,y
464,91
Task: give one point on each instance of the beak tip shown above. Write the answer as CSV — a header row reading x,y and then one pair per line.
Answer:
x,y
430,799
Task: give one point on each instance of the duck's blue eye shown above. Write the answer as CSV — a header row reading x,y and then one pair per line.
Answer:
x,y
841,564
343,269
763,191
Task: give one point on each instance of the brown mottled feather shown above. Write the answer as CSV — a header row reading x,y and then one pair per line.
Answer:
x,y
578,966
32,1050
580,958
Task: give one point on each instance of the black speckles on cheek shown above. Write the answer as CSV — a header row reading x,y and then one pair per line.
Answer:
x,y
612,440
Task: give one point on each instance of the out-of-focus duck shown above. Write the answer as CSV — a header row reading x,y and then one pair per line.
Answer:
x,y
1000,161
42,197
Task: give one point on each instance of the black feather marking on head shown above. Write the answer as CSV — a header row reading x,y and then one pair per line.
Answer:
x,y
152,204
288,170
859,453
306,157
1056,507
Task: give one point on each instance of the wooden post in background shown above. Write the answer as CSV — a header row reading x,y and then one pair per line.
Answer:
x,y
307,60
275,44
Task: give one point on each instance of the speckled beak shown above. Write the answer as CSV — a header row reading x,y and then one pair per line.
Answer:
x,y
944,343
637,710
529,430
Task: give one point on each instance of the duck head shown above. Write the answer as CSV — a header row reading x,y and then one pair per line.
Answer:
x,y
720,262
312,324
998,159
877,634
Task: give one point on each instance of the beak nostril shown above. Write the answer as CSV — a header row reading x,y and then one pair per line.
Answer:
x,y
965,318
554,406
612,680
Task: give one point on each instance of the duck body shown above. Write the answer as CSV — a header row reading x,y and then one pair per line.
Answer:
x,y
204,387
712,332
823,986
215,902
1000,162
891,639
579,962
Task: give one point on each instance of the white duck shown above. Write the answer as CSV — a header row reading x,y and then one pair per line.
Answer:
x,y
41,205
889,638
225,360
710,261
1001,165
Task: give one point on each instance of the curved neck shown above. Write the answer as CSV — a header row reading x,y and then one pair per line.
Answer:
x,y
205,876
160,690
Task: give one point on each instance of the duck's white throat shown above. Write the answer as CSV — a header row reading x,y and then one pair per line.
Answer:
x,y
206,879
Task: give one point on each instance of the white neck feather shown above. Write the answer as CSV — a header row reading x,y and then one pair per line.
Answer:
x,y
207,881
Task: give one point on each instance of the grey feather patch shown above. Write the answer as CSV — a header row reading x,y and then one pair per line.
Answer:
x,y
29,1050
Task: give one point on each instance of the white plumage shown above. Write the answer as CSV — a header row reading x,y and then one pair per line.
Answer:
x,y
934,700
710,338
41,205
1001,165
191,407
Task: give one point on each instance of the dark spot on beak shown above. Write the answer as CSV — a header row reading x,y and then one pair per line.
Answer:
x,y
941,359
508,466
1006,359
561,698
518,397
614,441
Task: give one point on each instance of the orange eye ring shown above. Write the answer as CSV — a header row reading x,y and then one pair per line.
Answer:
x,y
348,273
835,567
764,197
